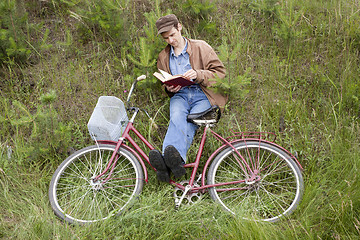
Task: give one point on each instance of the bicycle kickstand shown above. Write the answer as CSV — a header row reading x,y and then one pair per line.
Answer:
x,y
186,190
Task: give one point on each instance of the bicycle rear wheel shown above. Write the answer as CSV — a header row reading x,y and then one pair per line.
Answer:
x,y
274,191
76,198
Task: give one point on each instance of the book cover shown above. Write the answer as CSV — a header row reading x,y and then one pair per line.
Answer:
x,y
172,80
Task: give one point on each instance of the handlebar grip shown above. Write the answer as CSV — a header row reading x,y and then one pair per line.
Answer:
x,y
142,77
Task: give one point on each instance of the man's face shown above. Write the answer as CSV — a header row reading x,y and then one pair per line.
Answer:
x,y
173,37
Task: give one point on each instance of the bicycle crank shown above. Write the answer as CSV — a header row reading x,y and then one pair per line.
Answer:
x,y
186,196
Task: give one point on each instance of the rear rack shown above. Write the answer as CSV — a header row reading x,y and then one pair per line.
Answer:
x,y
269,136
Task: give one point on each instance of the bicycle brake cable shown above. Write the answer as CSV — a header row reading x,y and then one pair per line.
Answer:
x,y
151,119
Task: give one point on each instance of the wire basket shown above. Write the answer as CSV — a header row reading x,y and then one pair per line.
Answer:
x,y
108,120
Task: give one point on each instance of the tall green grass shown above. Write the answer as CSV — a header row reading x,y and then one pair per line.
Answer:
x,y
293,69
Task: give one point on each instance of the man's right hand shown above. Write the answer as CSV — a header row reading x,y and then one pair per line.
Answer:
x,y
173,89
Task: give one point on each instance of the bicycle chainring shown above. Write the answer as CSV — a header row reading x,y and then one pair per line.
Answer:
x,y
190,198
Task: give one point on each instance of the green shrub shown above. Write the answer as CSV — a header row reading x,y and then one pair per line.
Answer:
x,y
199,14
102,21
39,134
13,47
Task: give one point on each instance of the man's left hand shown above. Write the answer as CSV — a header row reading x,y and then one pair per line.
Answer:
x,y
191,74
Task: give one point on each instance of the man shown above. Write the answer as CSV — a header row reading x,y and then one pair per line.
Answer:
x,y
196,61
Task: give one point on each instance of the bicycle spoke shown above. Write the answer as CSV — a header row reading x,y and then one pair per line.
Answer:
x,y
273,191
77,197
239,162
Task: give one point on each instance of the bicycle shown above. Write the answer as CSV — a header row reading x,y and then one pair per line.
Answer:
x,y
247,175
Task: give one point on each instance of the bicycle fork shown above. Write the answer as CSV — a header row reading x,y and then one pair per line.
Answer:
x,y
110,166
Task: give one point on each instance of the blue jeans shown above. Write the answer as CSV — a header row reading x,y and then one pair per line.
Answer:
x,y
181,132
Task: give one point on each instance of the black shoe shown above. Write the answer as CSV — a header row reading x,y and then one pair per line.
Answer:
x,y
157,161
174,161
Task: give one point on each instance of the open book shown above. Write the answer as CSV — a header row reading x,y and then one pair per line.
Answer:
x,y
172,80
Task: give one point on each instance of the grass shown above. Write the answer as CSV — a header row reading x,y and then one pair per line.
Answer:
x,y
26,214
300,60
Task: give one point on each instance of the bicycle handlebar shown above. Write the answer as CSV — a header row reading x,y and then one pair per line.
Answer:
x,y
140,78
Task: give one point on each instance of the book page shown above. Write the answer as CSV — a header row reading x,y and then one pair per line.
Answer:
x,y
159,76
168,79
165,74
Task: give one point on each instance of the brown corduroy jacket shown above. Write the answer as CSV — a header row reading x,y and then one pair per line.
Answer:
x,y
205,62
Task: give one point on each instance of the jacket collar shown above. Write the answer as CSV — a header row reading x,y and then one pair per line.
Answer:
x,y
167,55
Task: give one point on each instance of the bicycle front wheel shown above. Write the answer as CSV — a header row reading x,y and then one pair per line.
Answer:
x,y
263,183
77,198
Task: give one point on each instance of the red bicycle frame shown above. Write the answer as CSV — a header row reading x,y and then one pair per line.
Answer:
x,y
140,154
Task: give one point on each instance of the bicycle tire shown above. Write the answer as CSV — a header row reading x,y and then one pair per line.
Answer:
x,y
77,199
275,194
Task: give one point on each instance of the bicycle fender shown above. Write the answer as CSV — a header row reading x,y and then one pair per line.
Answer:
x,y
288,152
275,145
133,152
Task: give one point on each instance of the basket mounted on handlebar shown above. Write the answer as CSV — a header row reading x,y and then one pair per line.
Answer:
x,y
108,120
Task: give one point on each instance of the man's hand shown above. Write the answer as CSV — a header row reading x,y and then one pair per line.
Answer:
x,y
173,89
191,74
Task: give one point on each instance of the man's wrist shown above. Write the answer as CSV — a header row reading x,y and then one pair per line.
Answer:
x,y
199,77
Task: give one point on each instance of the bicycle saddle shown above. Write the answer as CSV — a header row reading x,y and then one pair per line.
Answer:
x,y
209,116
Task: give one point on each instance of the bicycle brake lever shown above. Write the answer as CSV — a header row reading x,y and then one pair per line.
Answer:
x,y
151,119
142,77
